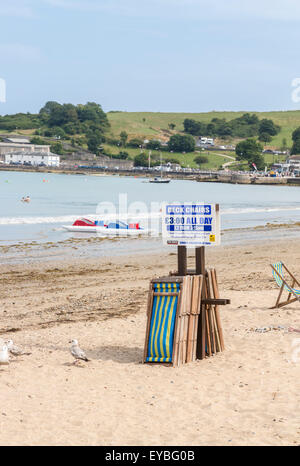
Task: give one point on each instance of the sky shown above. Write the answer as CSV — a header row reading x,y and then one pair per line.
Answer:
x,y
150,55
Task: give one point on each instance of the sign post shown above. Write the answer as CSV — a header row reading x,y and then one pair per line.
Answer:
x,y
192,225
183,322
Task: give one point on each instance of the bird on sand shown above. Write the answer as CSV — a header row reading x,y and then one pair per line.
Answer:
x,y
14,349
77,352
4,355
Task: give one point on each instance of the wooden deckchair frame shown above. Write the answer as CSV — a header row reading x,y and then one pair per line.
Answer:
x,y
279,304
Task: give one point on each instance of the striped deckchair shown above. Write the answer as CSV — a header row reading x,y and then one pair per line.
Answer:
x,y
293,293
161,330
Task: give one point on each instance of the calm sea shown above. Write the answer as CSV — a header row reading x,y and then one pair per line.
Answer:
x,y
58,200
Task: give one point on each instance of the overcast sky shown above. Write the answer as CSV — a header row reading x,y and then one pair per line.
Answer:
x,y
150,55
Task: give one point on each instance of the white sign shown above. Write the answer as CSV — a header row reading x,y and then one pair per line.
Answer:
x,y
191,224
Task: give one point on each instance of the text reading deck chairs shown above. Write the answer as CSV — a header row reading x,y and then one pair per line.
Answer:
x,y
293,293
183,317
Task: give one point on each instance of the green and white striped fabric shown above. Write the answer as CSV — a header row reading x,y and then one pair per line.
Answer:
x,y
277,276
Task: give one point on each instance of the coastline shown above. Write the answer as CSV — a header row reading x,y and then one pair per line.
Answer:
x,y
244,396
204,177
89,246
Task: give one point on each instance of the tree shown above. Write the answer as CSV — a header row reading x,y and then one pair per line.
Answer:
x,y
172,126
269,127
180,143
123,155
93,142
123,138
141,160
57,148
284,144
200,159
38,141
296,134
250,150
265,137
296,147
296,142
154,144
135,142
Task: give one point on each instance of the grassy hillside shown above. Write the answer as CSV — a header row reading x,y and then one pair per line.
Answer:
x,y
153,125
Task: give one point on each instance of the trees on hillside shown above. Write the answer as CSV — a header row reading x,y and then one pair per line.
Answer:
x,y
181,143
250,150
123,138
74,118
296,142
245,126
141,160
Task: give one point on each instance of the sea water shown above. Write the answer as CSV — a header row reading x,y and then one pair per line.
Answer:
x,y
59,199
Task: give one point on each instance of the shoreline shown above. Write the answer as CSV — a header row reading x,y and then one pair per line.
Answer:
x,y
209,177
93,246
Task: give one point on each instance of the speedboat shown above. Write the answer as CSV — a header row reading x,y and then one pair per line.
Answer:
x,y
113,228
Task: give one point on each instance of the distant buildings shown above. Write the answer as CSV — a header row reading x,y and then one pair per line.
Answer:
x,y
33,158
204,141
16,140
9,147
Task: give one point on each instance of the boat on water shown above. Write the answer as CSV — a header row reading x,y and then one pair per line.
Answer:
x,y
113,228
159,180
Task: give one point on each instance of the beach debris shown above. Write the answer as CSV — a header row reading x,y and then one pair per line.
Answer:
x,y
270,328
77,352
292,329
14,349
4,355
267,329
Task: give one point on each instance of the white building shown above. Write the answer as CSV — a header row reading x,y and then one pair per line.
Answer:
x,y
204,141
7,147
33,158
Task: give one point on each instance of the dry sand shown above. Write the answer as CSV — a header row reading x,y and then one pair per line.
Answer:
x,y
248,395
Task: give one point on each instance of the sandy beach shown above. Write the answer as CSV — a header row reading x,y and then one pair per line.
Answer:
x,y
248,395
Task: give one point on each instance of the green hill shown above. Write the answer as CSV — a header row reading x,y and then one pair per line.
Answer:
x,y
151,125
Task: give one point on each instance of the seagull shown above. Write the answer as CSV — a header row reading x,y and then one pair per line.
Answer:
x,y
77,352
4,355
14,349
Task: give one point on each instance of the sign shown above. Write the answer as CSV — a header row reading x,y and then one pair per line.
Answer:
x,y
191,224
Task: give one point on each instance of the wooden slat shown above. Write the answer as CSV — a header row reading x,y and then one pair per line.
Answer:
x,y
195,281
196,326
210,312
217,314
176,330
167,280
216,302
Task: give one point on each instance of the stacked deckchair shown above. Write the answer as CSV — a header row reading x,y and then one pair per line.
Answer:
x,y
183,321
293,293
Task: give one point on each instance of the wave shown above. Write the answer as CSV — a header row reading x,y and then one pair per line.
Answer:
x,y
249,210
138,216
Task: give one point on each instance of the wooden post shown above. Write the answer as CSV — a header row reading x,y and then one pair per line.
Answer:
x,y
200,270
200,261
182,261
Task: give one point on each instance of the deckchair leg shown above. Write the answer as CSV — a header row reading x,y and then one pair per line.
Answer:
x,y
279,296
285,303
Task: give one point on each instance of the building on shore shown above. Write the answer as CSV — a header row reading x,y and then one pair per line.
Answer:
x,y
9,147
33,158
15,140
